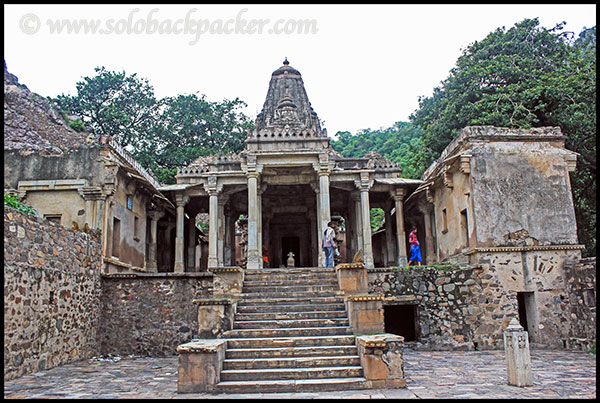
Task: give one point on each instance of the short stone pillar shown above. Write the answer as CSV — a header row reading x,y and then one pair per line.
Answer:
x,y
518,361
200,365
381,359
365,313
352,278
291,262
227,281
215,316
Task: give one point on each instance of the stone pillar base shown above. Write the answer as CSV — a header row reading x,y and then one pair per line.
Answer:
x,y
215,316
200,365
381,359
365,313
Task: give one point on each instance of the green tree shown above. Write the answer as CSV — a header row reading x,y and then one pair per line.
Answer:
x,y
161,134
399,143
189,126
113,104
11,200
527,76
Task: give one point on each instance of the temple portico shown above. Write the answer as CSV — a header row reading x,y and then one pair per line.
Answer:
x,y
288,183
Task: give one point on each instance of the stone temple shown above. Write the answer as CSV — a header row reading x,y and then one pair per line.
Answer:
x,y
118,263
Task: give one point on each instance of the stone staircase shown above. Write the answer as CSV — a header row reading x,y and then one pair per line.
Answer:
x,y
290,334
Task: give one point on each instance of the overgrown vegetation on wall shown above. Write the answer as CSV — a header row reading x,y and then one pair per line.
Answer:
x,y
11,200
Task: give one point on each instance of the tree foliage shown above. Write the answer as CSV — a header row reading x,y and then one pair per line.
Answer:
x,y
399,143
527,76
162,134
11,200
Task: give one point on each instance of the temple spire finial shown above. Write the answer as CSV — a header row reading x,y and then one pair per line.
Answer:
x,y
286,61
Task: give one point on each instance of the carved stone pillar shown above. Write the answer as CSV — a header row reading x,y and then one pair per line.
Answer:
x,y
261,190
429,251
213,227
227,242
253,254
221,231
151,264
191,244
180,201
389,237
398,196
314,239
364,185
357,222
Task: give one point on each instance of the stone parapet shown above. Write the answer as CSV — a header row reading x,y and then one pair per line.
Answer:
x,y
200,365
381,359
227,280
365,313
352,278
215,316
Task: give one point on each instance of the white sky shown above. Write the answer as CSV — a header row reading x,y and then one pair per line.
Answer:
x,y
364,68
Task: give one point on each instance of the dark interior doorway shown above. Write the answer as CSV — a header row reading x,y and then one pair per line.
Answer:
x,y
401,320
290,244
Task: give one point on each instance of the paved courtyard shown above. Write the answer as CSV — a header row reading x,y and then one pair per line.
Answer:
x,y
433,375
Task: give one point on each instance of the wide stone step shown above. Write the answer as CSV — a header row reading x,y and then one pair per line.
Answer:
x,y
291,300
287,342
292,281
292,385
291,315
249,296
293,323
291,332
287,289
278,352
281,308
291,362
290,373
290,270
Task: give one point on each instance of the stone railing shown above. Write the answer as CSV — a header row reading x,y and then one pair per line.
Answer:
x,y
127,157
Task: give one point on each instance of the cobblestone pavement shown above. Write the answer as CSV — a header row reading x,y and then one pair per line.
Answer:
x,y
434,375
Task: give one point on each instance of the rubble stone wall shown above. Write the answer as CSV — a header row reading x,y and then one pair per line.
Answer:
x,y
51,294
469,308
581,284
150,314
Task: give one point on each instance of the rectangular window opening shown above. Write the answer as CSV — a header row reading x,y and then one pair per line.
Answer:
x,y
464,226
444,221
401,320
116,237
55,218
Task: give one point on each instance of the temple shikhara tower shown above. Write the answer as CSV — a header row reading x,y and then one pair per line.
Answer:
x,y
290,183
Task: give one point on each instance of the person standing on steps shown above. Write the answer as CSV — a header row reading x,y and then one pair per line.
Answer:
x,y
415,250
329,244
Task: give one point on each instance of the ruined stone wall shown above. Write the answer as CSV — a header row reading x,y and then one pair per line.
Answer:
x,y
522,186
580,276
150,314
464,308
51,294
451,305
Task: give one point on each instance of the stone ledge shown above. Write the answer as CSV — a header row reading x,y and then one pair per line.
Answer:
x,y
378,340
202,346
350,266
157,275
377,297
211,301
226,269
525,248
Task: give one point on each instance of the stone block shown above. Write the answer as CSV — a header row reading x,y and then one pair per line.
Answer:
x,y
200,365
365,313
381,359
352,278
227,280
215,316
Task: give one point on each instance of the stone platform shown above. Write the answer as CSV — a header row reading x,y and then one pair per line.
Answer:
x,y
435,375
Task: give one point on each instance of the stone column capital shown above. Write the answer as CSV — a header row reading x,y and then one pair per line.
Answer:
x,y
364,183
181,199
212,186
398,194
156,215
